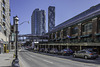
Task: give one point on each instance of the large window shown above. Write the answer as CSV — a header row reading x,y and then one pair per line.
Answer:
x,y
75,30
99,24
87,27
5,33
64,32
58,34
55,35
50,36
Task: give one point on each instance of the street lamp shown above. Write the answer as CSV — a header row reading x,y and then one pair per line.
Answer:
x,y
16,24
15,62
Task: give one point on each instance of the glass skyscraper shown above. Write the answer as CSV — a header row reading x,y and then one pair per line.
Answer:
x,y
38,22
51,18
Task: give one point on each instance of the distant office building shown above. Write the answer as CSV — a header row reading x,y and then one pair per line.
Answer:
x,y
38,22
4,25
51,18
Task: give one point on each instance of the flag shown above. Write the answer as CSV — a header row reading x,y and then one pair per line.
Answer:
x,y
68,36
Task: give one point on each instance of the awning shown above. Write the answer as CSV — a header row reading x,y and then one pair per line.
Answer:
x,y
59,39
97,34
74,37
86,35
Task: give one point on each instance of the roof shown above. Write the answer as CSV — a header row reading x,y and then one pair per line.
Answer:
x,y
91,12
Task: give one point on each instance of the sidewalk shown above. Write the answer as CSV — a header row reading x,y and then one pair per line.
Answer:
x,y
6,59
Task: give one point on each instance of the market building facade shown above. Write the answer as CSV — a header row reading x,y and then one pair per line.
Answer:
x,y
77,33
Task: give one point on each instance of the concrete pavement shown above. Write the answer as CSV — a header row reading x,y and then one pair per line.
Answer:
x,y
6,59
30,59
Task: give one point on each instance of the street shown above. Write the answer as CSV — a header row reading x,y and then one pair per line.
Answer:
x,y
31,59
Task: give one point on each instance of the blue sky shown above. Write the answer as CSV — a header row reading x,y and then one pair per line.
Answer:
x,y
65,9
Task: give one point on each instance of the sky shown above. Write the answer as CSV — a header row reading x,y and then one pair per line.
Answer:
x,y
64,10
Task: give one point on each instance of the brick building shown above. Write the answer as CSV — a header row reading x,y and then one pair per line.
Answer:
x,y
79,32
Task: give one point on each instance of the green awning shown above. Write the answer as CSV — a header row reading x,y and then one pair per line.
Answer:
x,y
86,35
97,34
74,37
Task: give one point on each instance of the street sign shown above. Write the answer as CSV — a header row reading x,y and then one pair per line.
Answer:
x,y
13,37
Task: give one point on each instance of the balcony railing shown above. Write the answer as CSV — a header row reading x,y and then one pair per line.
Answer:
x,y
3,5
3,13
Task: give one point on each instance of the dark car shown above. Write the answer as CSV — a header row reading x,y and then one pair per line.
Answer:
x,y
86,54
70,51
65,52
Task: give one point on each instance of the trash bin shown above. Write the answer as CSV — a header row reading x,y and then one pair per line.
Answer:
x,y
7,51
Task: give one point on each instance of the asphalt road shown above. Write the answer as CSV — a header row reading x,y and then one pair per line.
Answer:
x,y
31,59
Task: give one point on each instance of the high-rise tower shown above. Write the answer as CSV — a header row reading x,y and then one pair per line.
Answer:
x,y
51,18
38,22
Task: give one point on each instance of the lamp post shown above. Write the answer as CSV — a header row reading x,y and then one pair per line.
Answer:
x,y
15,62
16,24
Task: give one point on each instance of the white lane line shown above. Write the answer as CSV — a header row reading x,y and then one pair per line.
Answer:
x,y
48,61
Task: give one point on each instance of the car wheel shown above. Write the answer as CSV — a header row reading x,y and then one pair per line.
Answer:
x,y
74,55
86,57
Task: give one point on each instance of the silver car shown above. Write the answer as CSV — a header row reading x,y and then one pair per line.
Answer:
x,y
54,51
85,54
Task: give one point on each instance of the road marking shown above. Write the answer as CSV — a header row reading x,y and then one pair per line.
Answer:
x,y
48,61
42,59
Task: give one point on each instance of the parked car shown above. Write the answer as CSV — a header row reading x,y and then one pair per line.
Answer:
x,y
70,51
85,54
92,49
53,51
59,52
41,49
64,52
46,50
35,49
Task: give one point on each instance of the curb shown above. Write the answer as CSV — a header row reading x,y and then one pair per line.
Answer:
x,y
20,62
